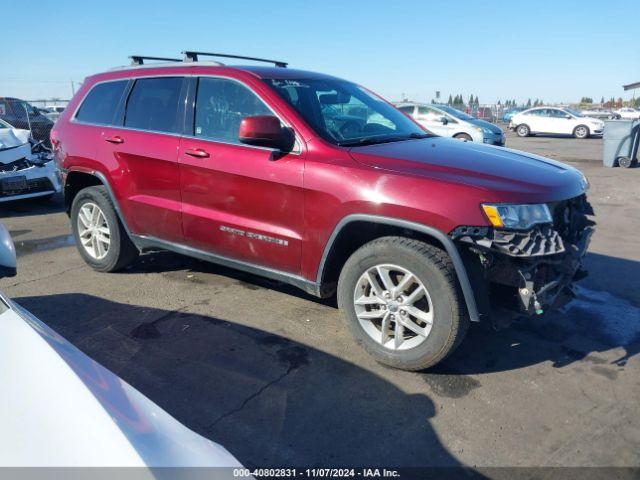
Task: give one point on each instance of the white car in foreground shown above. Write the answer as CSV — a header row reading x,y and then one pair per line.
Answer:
x,y
555,120
628,113
24,173
60,408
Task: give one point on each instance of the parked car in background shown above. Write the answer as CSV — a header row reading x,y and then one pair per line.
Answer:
x,y
601,113
628,113
26,169
555,120
52,112
510,113
60,408
446,121
484,113
24,116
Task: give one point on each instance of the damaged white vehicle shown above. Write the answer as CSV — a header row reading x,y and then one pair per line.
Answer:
x,y
27,169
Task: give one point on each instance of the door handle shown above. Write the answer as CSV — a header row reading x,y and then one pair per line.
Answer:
x,y
196,152
114,139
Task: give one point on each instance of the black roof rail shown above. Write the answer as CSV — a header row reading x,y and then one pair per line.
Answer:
x,y
190,56
139,59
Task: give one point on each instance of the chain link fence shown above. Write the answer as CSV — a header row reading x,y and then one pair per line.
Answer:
x,y
37,116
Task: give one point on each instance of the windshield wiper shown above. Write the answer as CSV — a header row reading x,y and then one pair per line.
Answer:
x,y
372,140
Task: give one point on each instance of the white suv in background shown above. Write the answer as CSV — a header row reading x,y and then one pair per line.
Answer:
x,y
554,120
446,121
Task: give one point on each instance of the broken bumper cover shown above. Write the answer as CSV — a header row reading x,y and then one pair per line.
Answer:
x,y
519,272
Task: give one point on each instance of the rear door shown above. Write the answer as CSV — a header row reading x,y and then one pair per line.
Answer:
x,y
239,201
141,155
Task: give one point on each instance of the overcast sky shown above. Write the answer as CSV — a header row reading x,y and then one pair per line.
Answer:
x,y
558,51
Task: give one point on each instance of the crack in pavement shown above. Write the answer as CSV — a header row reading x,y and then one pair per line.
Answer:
x,y
26,282
251,397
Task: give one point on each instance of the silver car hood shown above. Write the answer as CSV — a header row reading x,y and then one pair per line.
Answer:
x,y
61,408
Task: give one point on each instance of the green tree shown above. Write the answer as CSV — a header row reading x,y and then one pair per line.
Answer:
x,y
529,103
602,101
450,101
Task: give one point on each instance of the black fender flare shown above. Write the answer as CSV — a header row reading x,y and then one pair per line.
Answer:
x,y
105,183
438,235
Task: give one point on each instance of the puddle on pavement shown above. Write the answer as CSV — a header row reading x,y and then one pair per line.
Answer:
x,y
27,247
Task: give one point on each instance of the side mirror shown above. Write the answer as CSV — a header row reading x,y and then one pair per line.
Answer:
x,y
444,120
7,254
266,131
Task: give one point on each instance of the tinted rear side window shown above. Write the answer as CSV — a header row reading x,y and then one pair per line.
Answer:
x,y
153,104
101,103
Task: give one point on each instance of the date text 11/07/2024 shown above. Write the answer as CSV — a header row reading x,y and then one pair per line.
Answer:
x,y
316,473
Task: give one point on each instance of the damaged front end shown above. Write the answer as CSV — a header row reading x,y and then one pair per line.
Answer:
x,y
527,272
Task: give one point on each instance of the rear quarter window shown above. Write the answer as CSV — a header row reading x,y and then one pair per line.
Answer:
x,y
101,103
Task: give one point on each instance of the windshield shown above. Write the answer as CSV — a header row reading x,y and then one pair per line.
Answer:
x,y
456,113
344,113
573,112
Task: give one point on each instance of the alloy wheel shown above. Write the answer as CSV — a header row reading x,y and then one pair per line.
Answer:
x,y
393,307
93,230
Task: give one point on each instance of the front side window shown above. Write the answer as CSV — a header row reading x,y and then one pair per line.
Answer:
x,y
101,103
221,104
344,113
153,104
408,109
433,115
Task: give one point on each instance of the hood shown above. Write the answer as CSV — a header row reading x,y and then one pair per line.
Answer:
x,y
13,137
71,411
504,174
593,120
484,124
14,145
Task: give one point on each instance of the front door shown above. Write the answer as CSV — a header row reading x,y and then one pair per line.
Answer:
x,y
239,201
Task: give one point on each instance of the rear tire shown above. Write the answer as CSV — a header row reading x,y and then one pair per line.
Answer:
x,y
430,269
523,130
626,162
100,236
581,132
463,136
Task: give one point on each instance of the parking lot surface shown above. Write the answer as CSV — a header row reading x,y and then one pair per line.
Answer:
x,y
273,375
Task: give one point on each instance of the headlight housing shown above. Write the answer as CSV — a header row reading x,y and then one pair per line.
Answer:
x,y
486,130
517,217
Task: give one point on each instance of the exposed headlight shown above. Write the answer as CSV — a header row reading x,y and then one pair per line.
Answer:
x,y
488,131
518,217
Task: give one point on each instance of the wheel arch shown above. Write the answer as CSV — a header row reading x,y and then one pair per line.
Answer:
x,y
76,180
355,230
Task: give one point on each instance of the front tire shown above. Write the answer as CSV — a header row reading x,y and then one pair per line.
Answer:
x,y
523,130
402,303
581,132
463,136
100,236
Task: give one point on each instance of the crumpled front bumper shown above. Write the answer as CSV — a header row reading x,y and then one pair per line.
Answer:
x,y
527,272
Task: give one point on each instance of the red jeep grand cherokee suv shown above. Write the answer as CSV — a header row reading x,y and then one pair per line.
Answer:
x,y
318,182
